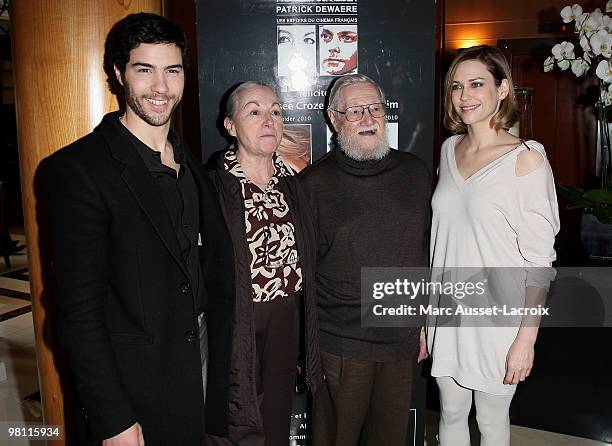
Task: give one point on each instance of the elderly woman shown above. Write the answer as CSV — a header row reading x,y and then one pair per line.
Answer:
x,y
274,250
494,206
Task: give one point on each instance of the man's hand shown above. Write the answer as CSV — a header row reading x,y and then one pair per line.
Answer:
x,y
422,346
132,436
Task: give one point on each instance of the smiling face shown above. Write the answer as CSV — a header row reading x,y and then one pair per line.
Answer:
x,y
153,82
257,122
364,139
474,95
338,49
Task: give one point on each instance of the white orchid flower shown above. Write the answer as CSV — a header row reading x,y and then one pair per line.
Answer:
x,y
580,22
610,85
604,71
605,96
605,23
563,50
609,6
585,44
579,67
570,13
592,22
564,64
549,63
601,43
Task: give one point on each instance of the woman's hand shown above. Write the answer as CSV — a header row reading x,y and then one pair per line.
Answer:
x,y
519,360
422,346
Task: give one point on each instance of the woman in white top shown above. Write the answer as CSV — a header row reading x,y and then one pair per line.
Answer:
x,y
494,206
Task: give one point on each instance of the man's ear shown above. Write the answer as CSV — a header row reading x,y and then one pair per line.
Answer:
x,y
229,126
333,119
118,75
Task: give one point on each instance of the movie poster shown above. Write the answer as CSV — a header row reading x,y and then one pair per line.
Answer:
x,y
300,47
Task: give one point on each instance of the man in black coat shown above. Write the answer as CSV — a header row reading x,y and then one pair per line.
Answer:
x,y
142,257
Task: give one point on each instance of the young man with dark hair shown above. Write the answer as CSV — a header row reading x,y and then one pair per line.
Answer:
x,y
142,257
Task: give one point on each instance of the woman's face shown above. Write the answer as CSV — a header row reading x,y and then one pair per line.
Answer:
x,y
338,48
257,123
474,95
296,50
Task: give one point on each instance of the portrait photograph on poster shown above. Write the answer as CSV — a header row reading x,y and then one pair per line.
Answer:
x,y
338,50
297,55
296,146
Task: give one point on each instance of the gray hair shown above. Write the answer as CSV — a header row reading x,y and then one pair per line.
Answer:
x,y
345,81
234,97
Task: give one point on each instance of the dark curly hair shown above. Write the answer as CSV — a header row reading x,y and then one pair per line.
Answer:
x,y
131,31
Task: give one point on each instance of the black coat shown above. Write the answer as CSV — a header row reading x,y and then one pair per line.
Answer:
x,y
126,318
243,400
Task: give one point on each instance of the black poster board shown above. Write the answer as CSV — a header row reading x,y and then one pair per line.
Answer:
x,y
240,40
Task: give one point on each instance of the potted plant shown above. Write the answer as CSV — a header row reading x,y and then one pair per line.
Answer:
x,y
594,31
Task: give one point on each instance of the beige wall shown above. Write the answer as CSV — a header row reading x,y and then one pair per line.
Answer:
x,y
476,22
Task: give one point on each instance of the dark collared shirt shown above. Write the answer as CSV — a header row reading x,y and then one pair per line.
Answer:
x,y
180,195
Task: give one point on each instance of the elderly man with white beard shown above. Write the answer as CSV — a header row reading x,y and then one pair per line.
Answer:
x,y
371,206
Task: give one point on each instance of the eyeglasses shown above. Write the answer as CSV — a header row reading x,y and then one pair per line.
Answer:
x,y
356,112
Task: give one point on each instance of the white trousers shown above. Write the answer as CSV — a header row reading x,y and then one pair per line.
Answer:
x,y
492,415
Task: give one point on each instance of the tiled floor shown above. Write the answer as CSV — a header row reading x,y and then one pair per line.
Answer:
x,y
18,372
20,379
520,436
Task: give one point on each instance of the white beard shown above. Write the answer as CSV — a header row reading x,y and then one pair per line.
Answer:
x,y
357,153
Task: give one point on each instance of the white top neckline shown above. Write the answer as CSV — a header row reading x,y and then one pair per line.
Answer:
x,y
460,180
